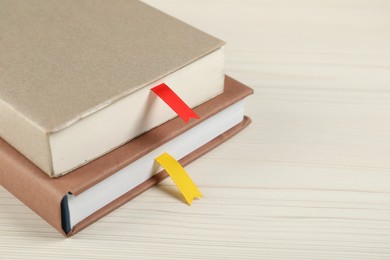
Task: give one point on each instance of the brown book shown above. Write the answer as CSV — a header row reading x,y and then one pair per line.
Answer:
x,y
73,72
48,197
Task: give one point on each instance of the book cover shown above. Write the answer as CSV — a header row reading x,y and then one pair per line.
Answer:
x,y
63,63
44,195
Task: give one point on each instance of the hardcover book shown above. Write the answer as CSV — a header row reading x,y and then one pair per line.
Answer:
x,y
75,76
74,201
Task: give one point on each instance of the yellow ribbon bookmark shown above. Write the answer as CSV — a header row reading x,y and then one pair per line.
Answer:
x,y
179,176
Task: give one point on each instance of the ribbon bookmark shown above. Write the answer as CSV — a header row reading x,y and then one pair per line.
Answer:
x,y
175,102
179,177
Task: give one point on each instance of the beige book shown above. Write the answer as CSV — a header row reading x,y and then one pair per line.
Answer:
x,y
75,76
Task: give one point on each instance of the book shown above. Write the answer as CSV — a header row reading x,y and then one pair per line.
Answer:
x,y
74,201
76,76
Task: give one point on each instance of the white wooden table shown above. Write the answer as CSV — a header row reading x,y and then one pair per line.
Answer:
x,y
309,179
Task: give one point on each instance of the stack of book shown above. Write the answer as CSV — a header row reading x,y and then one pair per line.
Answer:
x,y
79,124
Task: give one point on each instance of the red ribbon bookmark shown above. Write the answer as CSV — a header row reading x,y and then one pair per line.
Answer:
x,y
175,102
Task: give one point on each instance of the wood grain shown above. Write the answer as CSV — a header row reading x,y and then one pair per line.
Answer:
x,y
309,179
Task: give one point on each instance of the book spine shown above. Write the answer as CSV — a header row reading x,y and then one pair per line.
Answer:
x,y
30,185
25,136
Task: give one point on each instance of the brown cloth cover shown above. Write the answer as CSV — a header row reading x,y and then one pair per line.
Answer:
x,y
44,194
